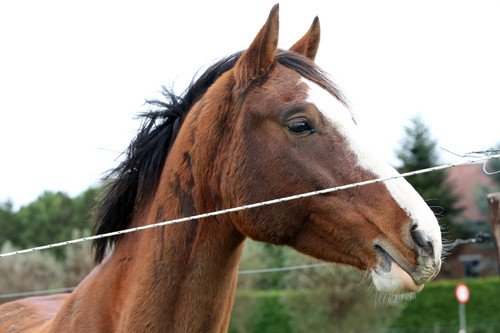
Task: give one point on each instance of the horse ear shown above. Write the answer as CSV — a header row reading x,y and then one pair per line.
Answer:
x,y
259,57
309,43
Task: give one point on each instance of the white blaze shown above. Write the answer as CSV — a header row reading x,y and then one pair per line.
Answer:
x,y
402,192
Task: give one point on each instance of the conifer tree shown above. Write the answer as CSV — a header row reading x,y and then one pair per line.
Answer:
x,y
418,151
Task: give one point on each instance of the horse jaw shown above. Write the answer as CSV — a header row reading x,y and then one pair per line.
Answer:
x,y
395,279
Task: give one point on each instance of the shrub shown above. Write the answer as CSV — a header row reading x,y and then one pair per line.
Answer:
x,y
28,272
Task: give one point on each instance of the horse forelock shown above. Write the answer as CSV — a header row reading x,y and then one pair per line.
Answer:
x,y
133,182
309,70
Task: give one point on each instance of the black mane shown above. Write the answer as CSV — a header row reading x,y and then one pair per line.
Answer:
x,y
135,179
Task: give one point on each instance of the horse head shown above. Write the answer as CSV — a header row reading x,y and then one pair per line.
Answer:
x,y
292,132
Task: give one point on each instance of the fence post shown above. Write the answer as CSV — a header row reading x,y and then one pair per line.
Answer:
x,y
494,207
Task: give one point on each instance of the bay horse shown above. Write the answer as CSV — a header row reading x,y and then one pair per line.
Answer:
x,y
260,124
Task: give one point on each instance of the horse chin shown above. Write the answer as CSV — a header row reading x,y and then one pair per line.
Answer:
x,y
394,281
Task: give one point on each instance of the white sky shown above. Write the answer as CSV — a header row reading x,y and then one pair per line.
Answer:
x,y
74,74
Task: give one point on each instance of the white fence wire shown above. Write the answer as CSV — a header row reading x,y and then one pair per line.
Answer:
x,y
251,206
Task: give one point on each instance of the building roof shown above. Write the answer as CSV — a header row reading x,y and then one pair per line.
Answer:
x,y
465,180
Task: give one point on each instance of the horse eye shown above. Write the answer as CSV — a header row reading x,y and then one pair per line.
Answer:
x,y
300,127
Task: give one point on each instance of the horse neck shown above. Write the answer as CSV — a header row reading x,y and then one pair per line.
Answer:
x,y
182,276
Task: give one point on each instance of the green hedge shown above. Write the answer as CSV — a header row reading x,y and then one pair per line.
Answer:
x,y
260,312
435,309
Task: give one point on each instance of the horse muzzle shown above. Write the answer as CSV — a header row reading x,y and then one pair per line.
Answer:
x,y
393,276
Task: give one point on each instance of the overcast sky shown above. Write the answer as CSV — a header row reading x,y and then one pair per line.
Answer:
x,y
74,74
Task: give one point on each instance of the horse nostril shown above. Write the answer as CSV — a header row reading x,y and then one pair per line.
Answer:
x,y
422,240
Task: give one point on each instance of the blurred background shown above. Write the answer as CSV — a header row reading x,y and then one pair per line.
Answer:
x,y
419,76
